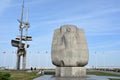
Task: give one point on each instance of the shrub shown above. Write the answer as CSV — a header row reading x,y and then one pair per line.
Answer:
x,y
4,76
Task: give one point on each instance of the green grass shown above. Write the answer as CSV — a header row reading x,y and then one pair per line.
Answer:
x,y
21,75
103,74
113,79
4,76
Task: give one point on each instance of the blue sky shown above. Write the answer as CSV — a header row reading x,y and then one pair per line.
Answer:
x,y
100,20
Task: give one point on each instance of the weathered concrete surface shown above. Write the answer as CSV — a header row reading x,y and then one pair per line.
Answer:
x,y
69,51
69,47
70,72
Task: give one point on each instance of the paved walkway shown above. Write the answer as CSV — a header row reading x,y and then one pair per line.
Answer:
x,y
89,77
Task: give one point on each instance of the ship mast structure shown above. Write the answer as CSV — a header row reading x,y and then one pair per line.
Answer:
x,y
21,41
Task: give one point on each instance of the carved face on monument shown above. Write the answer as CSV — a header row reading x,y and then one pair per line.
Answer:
x,y
69,47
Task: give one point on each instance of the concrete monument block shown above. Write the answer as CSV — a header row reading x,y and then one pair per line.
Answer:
x,y
69,51
70,72
69,47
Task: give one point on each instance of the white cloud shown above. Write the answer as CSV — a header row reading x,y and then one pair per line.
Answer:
x,y
94,18
80,17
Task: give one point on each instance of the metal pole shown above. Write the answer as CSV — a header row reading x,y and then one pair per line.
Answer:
x,y
21,25
21,32
95,60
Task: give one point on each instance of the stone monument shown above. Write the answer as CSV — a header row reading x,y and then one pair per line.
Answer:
x,y
69,51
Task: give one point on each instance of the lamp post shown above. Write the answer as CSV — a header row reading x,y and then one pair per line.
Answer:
x,y
95,60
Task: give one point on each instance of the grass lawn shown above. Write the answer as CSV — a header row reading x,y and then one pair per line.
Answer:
x,y
113,79
104,74
21,75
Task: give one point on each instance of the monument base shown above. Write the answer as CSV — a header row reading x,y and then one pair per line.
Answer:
x,y
70,72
